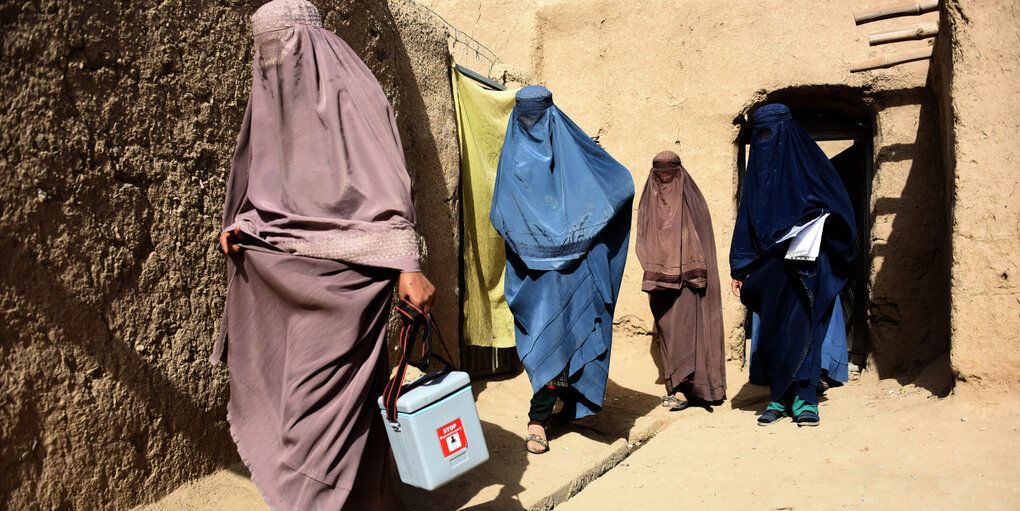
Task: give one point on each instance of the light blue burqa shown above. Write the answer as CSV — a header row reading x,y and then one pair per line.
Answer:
x,y
563,206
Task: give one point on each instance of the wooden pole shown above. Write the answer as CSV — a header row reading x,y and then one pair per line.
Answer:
x,y
890,60
922,31
894,10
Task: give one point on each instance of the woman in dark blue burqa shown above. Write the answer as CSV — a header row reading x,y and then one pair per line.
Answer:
x,y
563,206
793,200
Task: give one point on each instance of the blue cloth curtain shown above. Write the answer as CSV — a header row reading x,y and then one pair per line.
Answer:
x,y
563,206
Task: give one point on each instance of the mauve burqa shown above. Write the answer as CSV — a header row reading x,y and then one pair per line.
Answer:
x,y
319,186
676,248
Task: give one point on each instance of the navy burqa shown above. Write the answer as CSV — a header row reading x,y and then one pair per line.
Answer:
x,y
789,182
563,206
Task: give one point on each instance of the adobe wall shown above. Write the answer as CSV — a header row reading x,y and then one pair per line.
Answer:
x,y
651,76
119,121
976,78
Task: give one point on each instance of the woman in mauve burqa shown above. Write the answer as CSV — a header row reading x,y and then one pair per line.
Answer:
x,y
319,225
676,247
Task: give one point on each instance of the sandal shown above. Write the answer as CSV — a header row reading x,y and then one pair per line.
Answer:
x,y
807,418
532,437
674,403
769,417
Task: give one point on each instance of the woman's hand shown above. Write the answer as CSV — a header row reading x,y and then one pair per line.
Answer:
x,y
735,286
229,241
417,289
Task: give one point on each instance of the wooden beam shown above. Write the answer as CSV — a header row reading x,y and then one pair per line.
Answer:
x,y
890,60
921,31
912,8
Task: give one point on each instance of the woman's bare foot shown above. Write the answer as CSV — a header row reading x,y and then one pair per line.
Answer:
x,y
536,442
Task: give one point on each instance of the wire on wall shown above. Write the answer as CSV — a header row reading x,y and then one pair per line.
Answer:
x,y
468,45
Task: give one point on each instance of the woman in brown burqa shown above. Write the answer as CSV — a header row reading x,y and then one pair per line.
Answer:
x,y
319,225
676,247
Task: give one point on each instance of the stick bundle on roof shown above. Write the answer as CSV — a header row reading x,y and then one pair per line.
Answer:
x,y
921,31
890,60
894,10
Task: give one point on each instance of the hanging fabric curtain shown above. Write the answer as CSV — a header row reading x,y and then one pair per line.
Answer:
x,y
482,117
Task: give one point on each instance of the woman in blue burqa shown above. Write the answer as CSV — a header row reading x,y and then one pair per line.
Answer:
x,y
563,206
792,252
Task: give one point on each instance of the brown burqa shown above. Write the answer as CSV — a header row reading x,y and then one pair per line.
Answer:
x,y
676,247
319,185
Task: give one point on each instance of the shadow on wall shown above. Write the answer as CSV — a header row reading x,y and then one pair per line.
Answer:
x,y
434,165
908,296
93,357
113,153
120,123
909,309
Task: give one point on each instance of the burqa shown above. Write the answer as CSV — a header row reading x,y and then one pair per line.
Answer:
x,y
319,186
676,247
835,358
790,182
563,206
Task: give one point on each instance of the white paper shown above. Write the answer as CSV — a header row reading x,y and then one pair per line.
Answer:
x,y
807,240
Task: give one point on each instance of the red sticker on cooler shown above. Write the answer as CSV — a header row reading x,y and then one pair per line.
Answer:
x,y
452,438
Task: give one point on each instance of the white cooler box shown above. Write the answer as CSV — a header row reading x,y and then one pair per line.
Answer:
x,y
437,436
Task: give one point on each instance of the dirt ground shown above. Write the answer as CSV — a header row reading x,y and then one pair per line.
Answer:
x,y
511,479
881,445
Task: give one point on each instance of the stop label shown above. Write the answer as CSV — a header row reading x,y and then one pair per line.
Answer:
x,y
452,438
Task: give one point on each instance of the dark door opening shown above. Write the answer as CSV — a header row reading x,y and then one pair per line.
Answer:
x,y
847,141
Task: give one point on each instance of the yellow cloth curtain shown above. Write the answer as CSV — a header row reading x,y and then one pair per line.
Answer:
x,y
482,118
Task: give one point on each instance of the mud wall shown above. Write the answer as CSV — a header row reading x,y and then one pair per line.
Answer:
x,y
429,130
119,120
651,76
976,79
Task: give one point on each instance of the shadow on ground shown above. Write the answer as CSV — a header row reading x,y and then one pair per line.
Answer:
x,y
515,480
505,468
